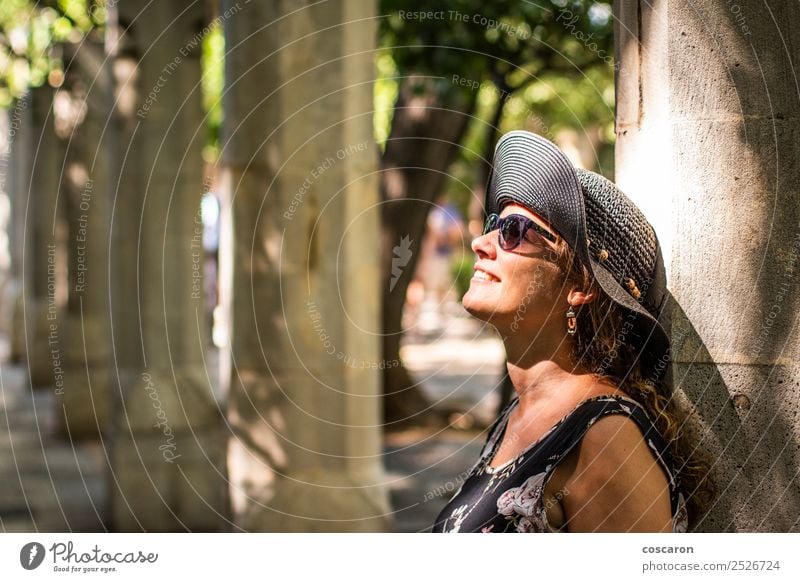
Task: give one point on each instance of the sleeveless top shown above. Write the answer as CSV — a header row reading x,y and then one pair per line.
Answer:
x,y
508,498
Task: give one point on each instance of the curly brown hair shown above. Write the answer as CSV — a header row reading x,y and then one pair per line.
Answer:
x,y
605,346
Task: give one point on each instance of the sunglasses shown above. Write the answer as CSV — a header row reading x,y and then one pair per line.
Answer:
x,y
513,229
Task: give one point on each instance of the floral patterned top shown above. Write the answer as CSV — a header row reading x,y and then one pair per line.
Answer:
x,y
508,498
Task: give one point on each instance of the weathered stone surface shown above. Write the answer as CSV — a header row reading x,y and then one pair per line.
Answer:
x,y
7,132
741,248
707,128
167,440
86,98
37,239
730,59
302,254
751,432
88,378
16,184
169,484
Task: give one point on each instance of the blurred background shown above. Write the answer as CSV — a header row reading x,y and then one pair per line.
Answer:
x,y
234,237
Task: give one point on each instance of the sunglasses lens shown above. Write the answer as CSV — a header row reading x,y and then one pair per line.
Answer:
x,y
511,232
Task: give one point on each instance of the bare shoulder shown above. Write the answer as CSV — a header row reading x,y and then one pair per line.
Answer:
x,y
616,482
617,436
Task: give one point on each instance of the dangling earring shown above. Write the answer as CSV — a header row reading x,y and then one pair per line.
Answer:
x,y
571,321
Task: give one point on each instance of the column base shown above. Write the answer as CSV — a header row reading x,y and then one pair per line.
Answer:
x,y
311,500
88,378
168,455
38,341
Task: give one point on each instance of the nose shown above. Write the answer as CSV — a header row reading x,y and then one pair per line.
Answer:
x,y
485,246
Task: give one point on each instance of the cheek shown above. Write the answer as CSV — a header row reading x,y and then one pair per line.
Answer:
x,y
540,283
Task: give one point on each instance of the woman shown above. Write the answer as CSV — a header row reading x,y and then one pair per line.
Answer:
x,y
591,441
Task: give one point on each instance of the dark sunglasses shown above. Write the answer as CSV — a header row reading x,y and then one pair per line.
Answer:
x,y
513,229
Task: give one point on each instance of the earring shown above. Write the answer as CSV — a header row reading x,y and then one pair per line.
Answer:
x,y
571,321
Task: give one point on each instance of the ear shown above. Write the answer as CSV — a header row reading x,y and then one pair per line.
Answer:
x,y
578,297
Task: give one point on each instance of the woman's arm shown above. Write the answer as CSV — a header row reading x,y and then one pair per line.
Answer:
x,y
615,482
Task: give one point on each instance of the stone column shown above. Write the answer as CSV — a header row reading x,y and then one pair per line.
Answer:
x,y
6,279
16,184
168,451
300,269
85,99
39,243
708,122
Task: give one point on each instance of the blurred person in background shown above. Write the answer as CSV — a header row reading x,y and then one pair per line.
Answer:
x,y
434,286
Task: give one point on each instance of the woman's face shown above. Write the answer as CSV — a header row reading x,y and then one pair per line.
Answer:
x,y
521,288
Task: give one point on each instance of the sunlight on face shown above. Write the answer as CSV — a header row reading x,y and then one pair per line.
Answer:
x,y
507,283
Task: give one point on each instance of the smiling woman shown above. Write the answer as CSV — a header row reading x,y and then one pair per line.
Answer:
x,y
570,273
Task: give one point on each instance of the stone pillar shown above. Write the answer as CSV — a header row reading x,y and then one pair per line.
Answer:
x,y
6,278
300,273
18,176
84,100
39,242
707,125
167,445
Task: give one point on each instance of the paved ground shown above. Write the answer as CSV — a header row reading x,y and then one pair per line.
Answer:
x,y
48,483
459,363
424,470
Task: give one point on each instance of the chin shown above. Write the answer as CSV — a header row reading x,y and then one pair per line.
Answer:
x,y
474,312
479,306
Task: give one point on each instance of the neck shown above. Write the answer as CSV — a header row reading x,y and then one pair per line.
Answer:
x,y
546,375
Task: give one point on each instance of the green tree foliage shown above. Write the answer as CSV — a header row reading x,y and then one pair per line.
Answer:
x,y
212,84
545,66
30,33
29,37
507,41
